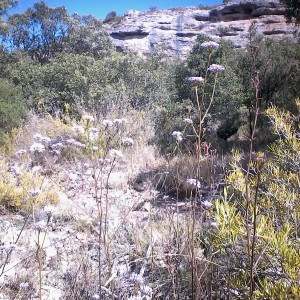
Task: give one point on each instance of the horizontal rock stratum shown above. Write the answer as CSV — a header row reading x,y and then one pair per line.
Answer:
x,y
176,29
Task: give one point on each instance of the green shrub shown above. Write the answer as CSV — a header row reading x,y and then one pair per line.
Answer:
x,y
12,108
256,242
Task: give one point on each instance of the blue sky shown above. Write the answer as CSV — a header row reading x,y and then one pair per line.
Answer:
x,y
99,8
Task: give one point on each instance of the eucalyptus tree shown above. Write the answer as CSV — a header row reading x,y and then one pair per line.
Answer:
x,y
40,31
87,36
43,32
5,5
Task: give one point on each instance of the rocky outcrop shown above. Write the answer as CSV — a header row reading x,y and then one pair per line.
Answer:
x,y
176,30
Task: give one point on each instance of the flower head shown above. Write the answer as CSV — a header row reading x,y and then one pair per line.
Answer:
x,y
42,139
78,128
194,182
195,79
146,290
37,147
88,118
116,153
177,135
207,204
127,141
9,248
34,192
45,139
107,123
24,285
56,146
75,143
93,133
40,226
136,278
49,210
104,161
210,45
119,121
37,137
16,170
188,121
215,68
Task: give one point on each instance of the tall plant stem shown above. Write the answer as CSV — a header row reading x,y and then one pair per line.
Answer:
x,y
251,234
202,116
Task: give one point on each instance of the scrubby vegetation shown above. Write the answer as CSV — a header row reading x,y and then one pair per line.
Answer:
x,y
128,177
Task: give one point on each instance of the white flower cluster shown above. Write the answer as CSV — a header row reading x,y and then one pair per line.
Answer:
x,y
15,170
40,226
93,133
88,118
41,139
107,123
37,147
127,141
177,135
116,153
120,121
214,68
75,143
194,182
207,204
136,297
56,146
188,121
24,285
78,129
9,248
49,210
136,278
195,79
210,45
104,161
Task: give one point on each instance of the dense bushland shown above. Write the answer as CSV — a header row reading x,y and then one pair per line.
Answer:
x,y
213,137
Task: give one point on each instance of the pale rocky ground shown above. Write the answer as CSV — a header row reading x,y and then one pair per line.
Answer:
x,y
72,234
137,215
72,229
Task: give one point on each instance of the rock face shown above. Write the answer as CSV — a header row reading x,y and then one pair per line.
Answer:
x,y
176,29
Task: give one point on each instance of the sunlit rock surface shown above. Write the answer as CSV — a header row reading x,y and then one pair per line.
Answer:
x,y
175,30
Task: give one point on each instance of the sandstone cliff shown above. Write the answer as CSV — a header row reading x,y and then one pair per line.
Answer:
x,y
176,29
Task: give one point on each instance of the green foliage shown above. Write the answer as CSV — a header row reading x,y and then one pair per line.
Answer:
x,y
12,108
278,65
43,32
40,31
79,82
292,11
87,37
5,5
24,192
276,246
110,17
228,96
